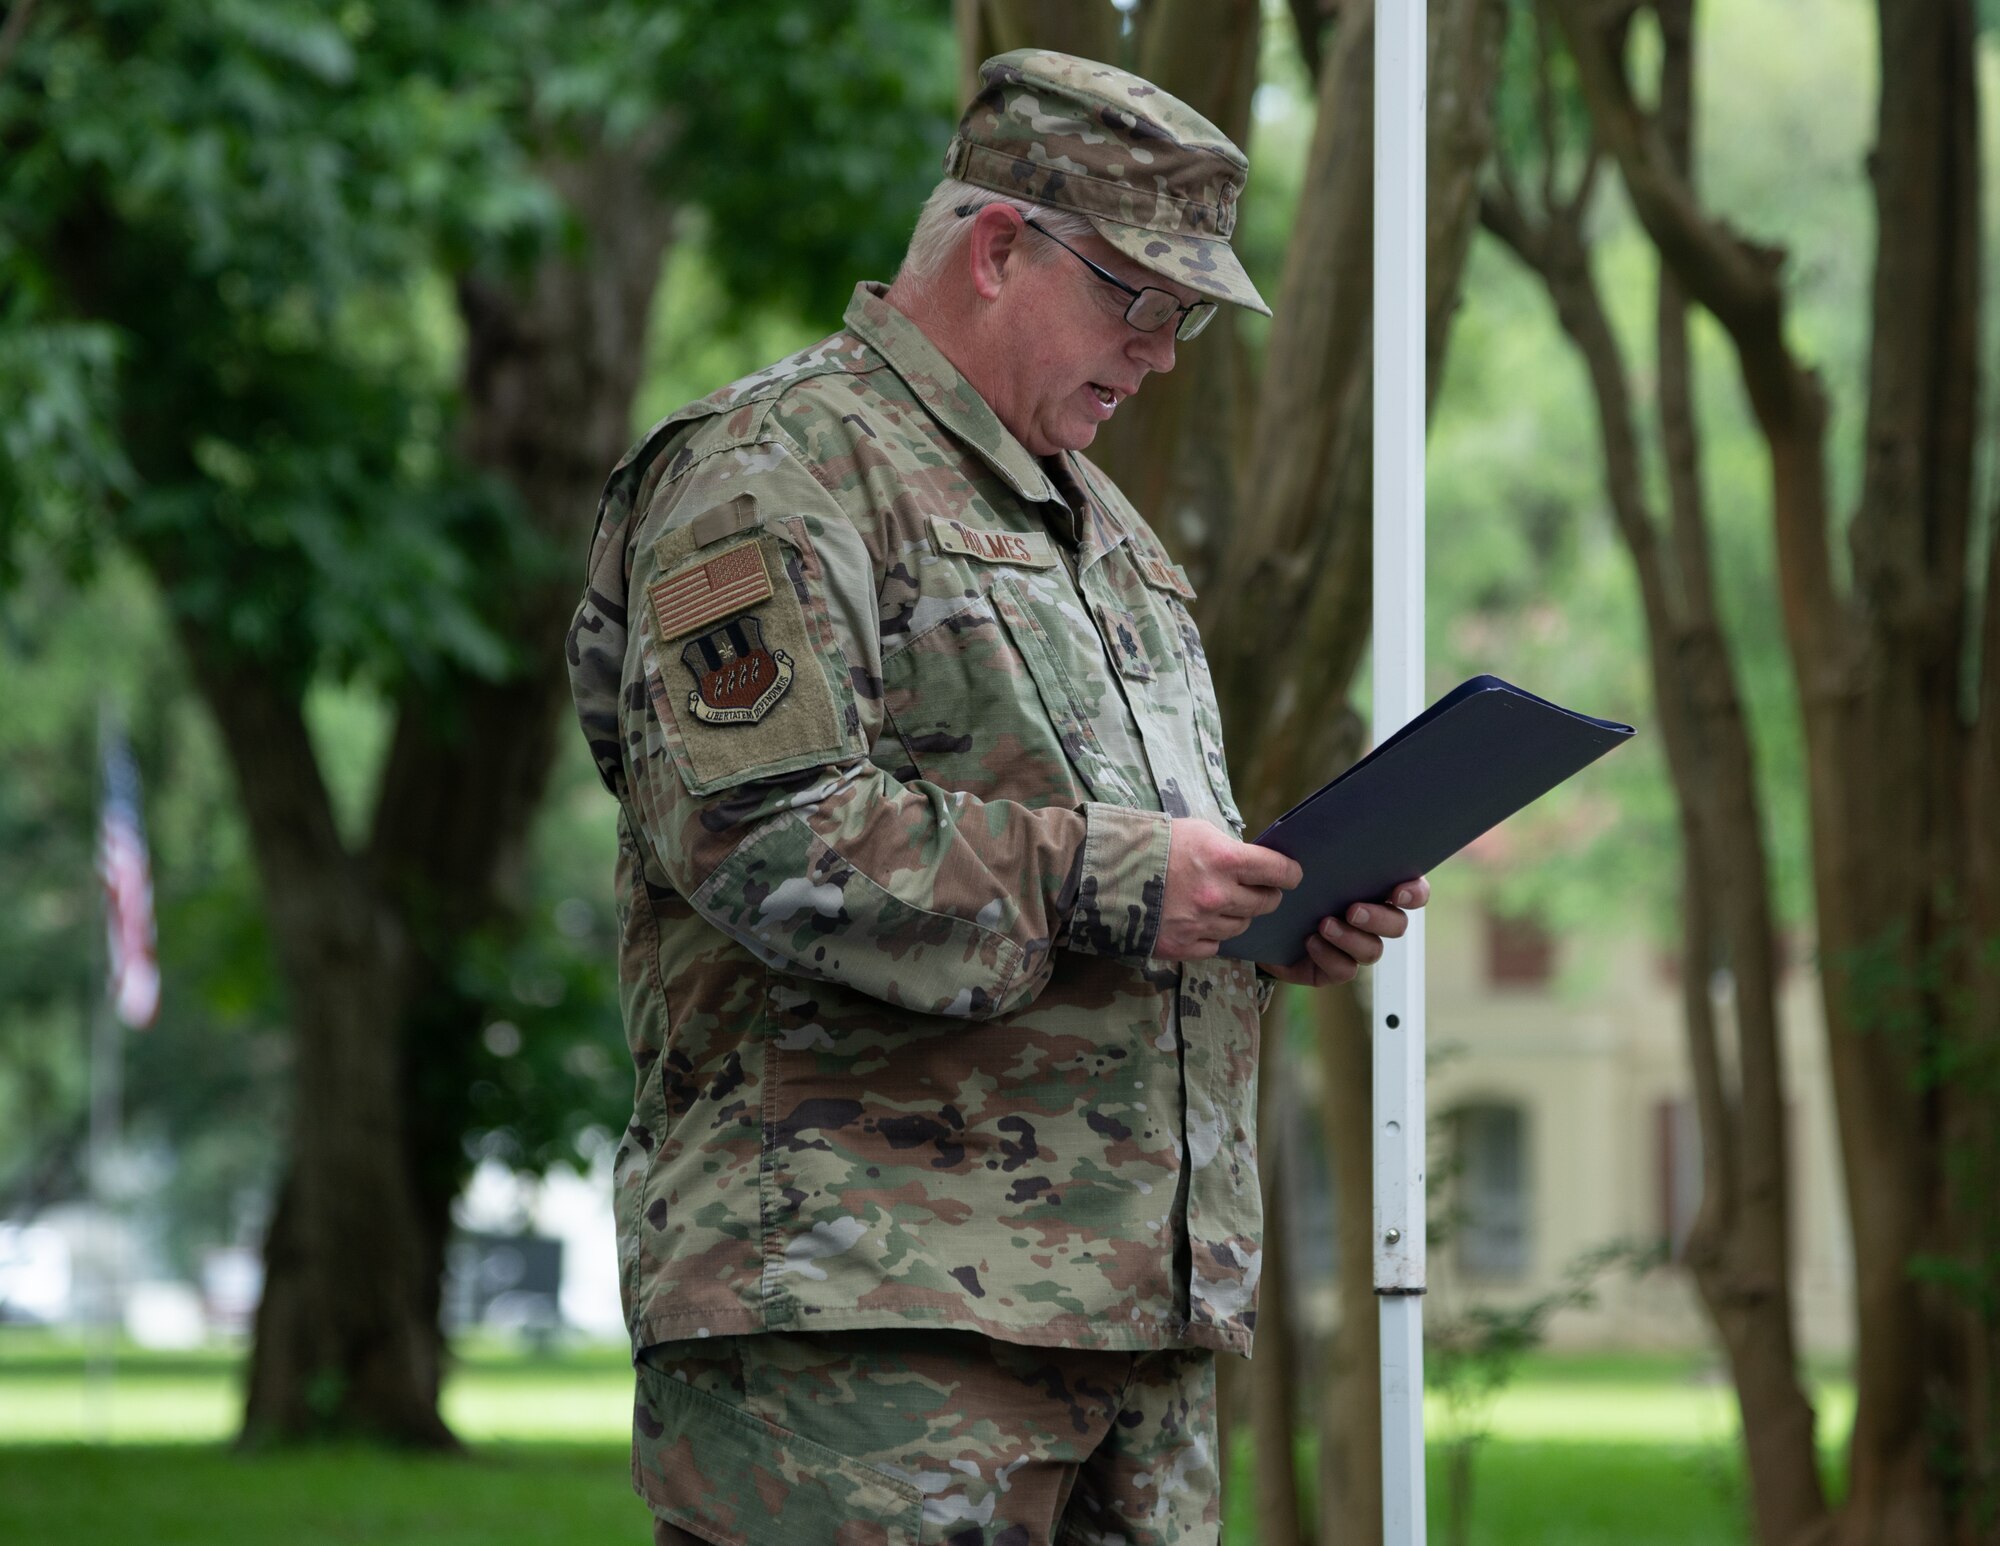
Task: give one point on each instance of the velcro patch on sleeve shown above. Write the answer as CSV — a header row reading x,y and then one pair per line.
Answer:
x,y
732,580
744,692
1031,549
724,520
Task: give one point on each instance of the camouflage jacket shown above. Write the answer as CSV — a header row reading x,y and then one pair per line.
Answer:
x,y
896,716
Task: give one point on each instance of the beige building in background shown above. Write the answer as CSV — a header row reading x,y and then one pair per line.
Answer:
x,y
1566,1073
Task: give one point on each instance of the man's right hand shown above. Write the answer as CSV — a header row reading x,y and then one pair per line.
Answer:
x,y
1215,886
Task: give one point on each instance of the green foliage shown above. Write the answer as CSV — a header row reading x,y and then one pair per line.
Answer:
x,y
1472,1356
56,448
552,1081
244,207
229,234
239,197
809,131
700,339
1540,125
207,1082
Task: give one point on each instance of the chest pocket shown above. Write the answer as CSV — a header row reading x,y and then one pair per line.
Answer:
x,y
1207,717
983,702
1071,699
1161,594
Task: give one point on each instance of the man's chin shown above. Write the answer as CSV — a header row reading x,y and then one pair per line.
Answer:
x,y
1067,439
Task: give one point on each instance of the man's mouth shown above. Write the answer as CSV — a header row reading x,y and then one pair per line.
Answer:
x,y
1105,395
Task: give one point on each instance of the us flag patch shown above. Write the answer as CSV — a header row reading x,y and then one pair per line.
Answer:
x,y
732,580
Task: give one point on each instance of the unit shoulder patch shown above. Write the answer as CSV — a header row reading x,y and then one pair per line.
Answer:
x,y
737,667
737,679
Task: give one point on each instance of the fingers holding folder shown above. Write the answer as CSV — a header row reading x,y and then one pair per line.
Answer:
x,y
1216,886
1340,946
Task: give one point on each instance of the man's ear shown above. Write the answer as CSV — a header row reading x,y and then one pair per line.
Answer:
x,y
993,248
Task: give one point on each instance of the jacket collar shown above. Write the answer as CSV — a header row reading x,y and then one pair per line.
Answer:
x,y
947,395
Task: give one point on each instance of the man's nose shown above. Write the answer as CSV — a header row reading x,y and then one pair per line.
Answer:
x,y
1155,349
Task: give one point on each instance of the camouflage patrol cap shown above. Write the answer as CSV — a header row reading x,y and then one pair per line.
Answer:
x,y
1158,180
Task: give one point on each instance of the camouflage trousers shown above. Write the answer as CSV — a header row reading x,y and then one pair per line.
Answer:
x,y
924,1438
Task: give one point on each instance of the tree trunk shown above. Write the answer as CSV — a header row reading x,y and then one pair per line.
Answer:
x,y
1973,1134
552,367
1738,1251
1090,29
1172,449
1300,543
347,1337
1890,747
1287,525
337,1350
1896,755
1350,1407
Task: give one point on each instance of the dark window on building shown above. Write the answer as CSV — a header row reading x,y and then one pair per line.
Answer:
x,y
1520,953
1493,1190
1677,1171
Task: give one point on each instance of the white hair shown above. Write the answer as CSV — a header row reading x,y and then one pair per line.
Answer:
x,y
940,227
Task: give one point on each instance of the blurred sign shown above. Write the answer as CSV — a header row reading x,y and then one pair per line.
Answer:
x,y
506,1282
232,1281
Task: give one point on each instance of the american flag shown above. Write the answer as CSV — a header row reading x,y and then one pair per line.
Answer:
x,y
727,583
122,864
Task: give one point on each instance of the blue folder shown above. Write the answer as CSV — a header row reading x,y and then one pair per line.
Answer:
x,y
1464,765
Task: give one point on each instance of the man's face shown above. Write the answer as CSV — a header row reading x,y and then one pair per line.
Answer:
x,y
1068,357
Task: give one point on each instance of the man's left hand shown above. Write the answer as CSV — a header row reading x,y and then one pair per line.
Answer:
x,y
1340,947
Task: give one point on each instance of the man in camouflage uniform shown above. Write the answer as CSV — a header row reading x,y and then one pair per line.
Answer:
x,y
941,1194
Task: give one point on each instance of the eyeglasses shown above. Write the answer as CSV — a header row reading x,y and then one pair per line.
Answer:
x,y
1150,309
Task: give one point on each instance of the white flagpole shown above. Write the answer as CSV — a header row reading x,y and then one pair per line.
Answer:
x,y
1400,46
107,1054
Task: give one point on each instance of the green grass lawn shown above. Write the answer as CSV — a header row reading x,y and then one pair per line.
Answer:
x,y
1624,1451
495,1394
544,1494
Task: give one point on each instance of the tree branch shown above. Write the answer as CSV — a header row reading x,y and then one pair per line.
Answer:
x,y
1466,39
13,29
1554,251
1545,114
1914,516
1171,451
1679,440
1737,281
1308,26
